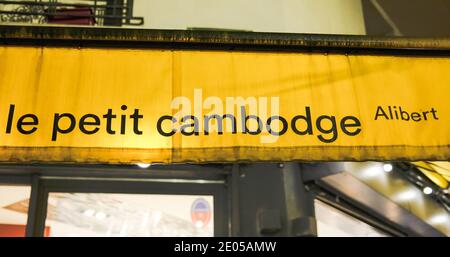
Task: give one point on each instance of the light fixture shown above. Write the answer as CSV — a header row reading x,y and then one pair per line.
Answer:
x,y
89,212
157,215
387,167
407,195
372,171
100,215
427,190
143,165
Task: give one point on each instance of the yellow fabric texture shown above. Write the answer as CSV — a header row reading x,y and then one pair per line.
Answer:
x,y
431,171
45,80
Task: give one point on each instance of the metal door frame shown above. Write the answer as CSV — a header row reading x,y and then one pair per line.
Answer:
x,y
167,180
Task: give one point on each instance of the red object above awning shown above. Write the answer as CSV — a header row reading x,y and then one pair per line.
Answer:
x,y
74,16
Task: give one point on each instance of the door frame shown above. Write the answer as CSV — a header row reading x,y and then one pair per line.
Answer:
x,y
160,179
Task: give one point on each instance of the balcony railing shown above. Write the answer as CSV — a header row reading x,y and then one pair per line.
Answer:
x,y
78,12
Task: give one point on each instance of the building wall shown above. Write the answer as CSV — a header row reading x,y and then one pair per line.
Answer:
x,y
297,16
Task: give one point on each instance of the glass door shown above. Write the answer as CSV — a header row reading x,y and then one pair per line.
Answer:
x,y
130,207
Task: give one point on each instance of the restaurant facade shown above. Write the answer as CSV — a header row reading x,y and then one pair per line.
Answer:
x,y
124,131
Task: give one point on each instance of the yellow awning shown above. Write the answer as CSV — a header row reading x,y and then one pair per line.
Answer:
x,y
438,172
93,105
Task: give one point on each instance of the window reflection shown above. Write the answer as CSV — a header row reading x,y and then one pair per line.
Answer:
x,y
332,222
13,210
86,214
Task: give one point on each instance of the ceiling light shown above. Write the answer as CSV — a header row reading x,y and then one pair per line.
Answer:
x,y
100,215
372,171
89,212
143,165
439,218
387,167
156,217
407,195
427,190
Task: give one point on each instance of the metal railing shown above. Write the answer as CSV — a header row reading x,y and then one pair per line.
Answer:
x,y
86,12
